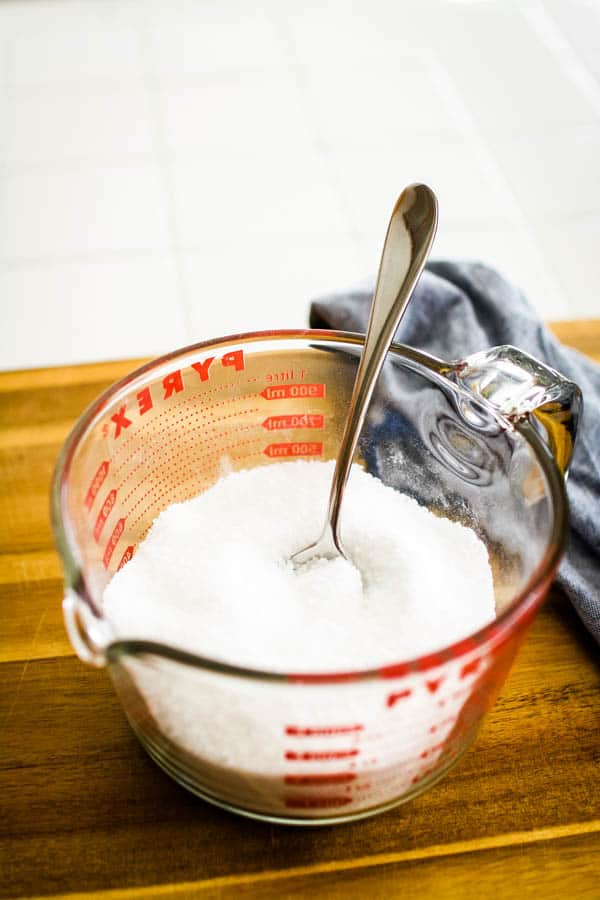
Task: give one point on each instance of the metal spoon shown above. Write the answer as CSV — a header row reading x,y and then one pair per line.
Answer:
x,y
407,244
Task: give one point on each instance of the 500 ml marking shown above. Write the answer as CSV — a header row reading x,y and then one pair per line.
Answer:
x,y
294,448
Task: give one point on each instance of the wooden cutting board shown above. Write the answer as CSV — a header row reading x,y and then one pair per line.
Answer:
x,y
85,811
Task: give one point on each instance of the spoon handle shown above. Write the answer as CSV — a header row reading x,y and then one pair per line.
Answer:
x,y
411,231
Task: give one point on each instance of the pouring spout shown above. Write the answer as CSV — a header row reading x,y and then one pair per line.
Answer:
x,y
89,634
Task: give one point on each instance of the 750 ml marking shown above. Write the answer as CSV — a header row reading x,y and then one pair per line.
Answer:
x,y
306,420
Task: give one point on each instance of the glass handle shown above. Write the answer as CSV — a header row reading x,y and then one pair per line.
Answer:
x,y
520,388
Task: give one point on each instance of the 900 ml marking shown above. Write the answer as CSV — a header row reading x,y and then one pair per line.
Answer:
x,y
293,391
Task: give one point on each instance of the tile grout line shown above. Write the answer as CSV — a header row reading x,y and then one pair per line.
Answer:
x,y
468,127
117,85
163,156
93,257
551,36
313,123
6,66
217,245
549,33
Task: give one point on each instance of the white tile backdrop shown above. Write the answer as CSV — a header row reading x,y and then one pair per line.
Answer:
x,y
172,171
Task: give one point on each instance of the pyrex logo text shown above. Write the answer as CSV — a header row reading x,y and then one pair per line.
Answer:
x,y
171,385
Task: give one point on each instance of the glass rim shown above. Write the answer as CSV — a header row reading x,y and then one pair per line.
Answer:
x,y
524,603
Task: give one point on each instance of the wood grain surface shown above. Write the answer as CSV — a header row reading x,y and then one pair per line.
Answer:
x,y
85,811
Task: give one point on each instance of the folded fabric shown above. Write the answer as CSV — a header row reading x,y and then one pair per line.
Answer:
x,y
460,308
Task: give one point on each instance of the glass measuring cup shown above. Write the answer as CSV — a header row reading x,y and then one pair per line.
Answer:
x,y
485,441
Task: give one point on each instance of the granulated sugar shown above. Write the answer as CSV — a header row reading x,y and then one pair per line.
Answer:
x,y
214,575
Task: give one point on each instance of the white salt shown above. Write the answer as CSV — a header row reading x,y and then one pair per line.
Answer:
x,y
214,575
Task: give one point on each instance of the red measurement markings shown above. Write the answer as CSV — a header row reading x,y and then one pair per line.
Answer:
x,y
423,774
471,667
445,723
104,513
294,448
126,557
97,482
393,698
311,755
294,391
299,731
321,779
285,375
173,415
298,420
435,749
316,802
113,541
172,384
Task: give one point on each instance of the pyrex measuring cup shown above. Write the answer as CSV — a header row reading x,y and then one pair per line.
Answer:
x,y
485,441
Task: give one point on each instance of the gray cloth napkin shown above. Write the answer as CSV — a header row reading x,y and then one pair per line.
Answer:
x,y
459,308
